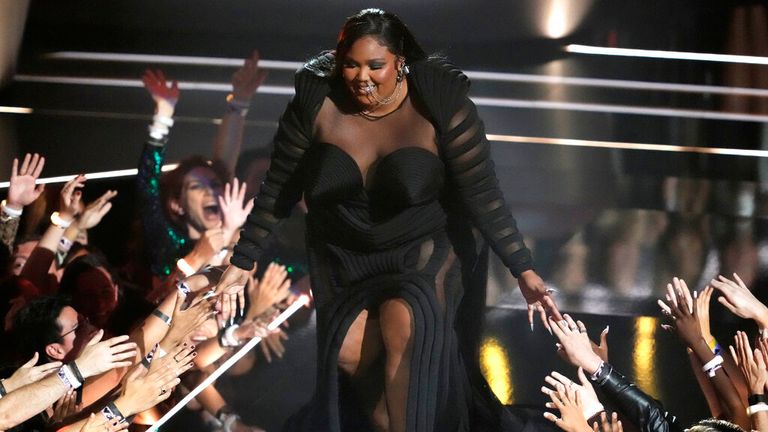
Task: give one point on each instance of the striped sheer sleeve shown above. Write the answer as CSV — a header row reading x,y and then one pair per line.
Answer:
x,y
281,188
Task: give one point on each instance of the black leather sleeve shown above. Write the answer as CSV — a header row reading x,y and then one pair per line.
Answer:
x,y
644,411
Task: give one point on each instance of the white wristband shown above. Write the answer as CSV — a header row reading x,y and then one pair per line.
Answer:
x,y
756,408
163,120
184,267
68,377
10,212
228,339
711,367
59,222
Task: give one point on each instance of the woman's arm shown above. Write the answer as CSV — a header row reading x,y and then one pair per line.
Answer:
x,y
22,192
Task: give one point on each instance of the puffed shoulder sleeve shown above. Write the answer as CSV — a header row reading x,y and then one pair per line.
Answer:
x,y
466,153
281,188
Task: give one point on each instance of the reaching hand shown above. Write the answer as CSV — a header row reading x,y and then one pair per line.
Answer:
x,y
612,425
143,392
231,286
28,373
99,357
232,207
702,306
752,364
178,360
683,310
96,211
273,288
22,190
538,298
69,198
738,299
210,243
248,78
65,407
185,321
590,404
575,346
162,93
602,349
567,401
273,344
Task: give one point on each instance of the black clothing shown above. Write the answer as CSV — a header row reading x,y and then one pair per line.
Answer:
x,y
401,229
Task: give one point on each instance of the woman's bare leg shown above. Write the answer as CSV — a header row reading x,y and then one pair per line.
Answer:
x,y
396,322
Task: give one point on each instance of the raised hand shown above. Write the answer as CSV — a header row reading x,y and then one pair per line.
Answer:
x,y
161,91
752,364
702,305
233,208
273,288
739,299
178,360
22,190
98,357
606,425
247,79
184,321
69,198
95,211
538,297
575,346
567,401
683,310
28,373
590,404
602,349
143,392
273,344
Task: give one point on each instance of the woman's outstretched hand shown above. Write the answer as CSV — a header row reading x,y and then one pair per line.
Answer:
x,y
538,297
231,288
164,94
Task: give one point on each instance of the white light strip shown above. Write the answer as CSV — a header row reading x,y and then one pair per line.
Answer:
x,y
671,55
169,59
611,83
618,109
135,83
92,176
475,75
303,300
628,145
480,101
15,110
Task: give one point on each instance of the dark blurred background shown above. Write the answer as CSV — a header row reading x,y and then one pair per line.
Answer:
x,y
622,171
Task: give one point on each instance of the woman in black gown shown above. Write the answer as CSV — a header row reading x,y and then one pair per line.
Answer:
x,y
388,152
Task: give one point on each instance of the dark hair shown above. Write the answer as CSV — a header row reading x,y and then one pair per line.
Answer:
x,y
172,182
714,425
13,287
37,325
384,26
90,289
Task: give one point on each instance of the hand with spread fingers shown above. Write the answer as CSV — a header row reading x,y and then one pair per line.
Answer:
x,y
100,356
751,363
22,189
184,321
143,392
740,300
574,344
178,360
608,425
590,404
28,373
703,299
234,208
247,79
566,400
69,198
273,344
95,211
682,309
538,297
165,94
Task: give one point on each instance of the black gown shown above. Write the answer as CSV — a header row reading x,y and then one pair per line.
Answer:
x,y
405,231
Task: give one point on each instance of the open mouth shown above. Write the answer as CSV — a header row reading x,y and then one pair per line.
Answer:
x,y
211,210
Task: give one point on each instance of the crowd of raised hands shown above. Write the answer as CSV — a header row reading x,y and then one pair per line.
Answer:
x,y
733,379
72,367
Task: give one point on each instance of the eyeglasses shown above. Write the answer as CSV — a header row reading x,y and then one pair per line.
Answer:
x,y
81,320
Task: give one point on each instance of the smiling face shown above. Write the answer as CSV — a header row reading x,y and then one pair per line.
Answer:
x,y
199,202
370,67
